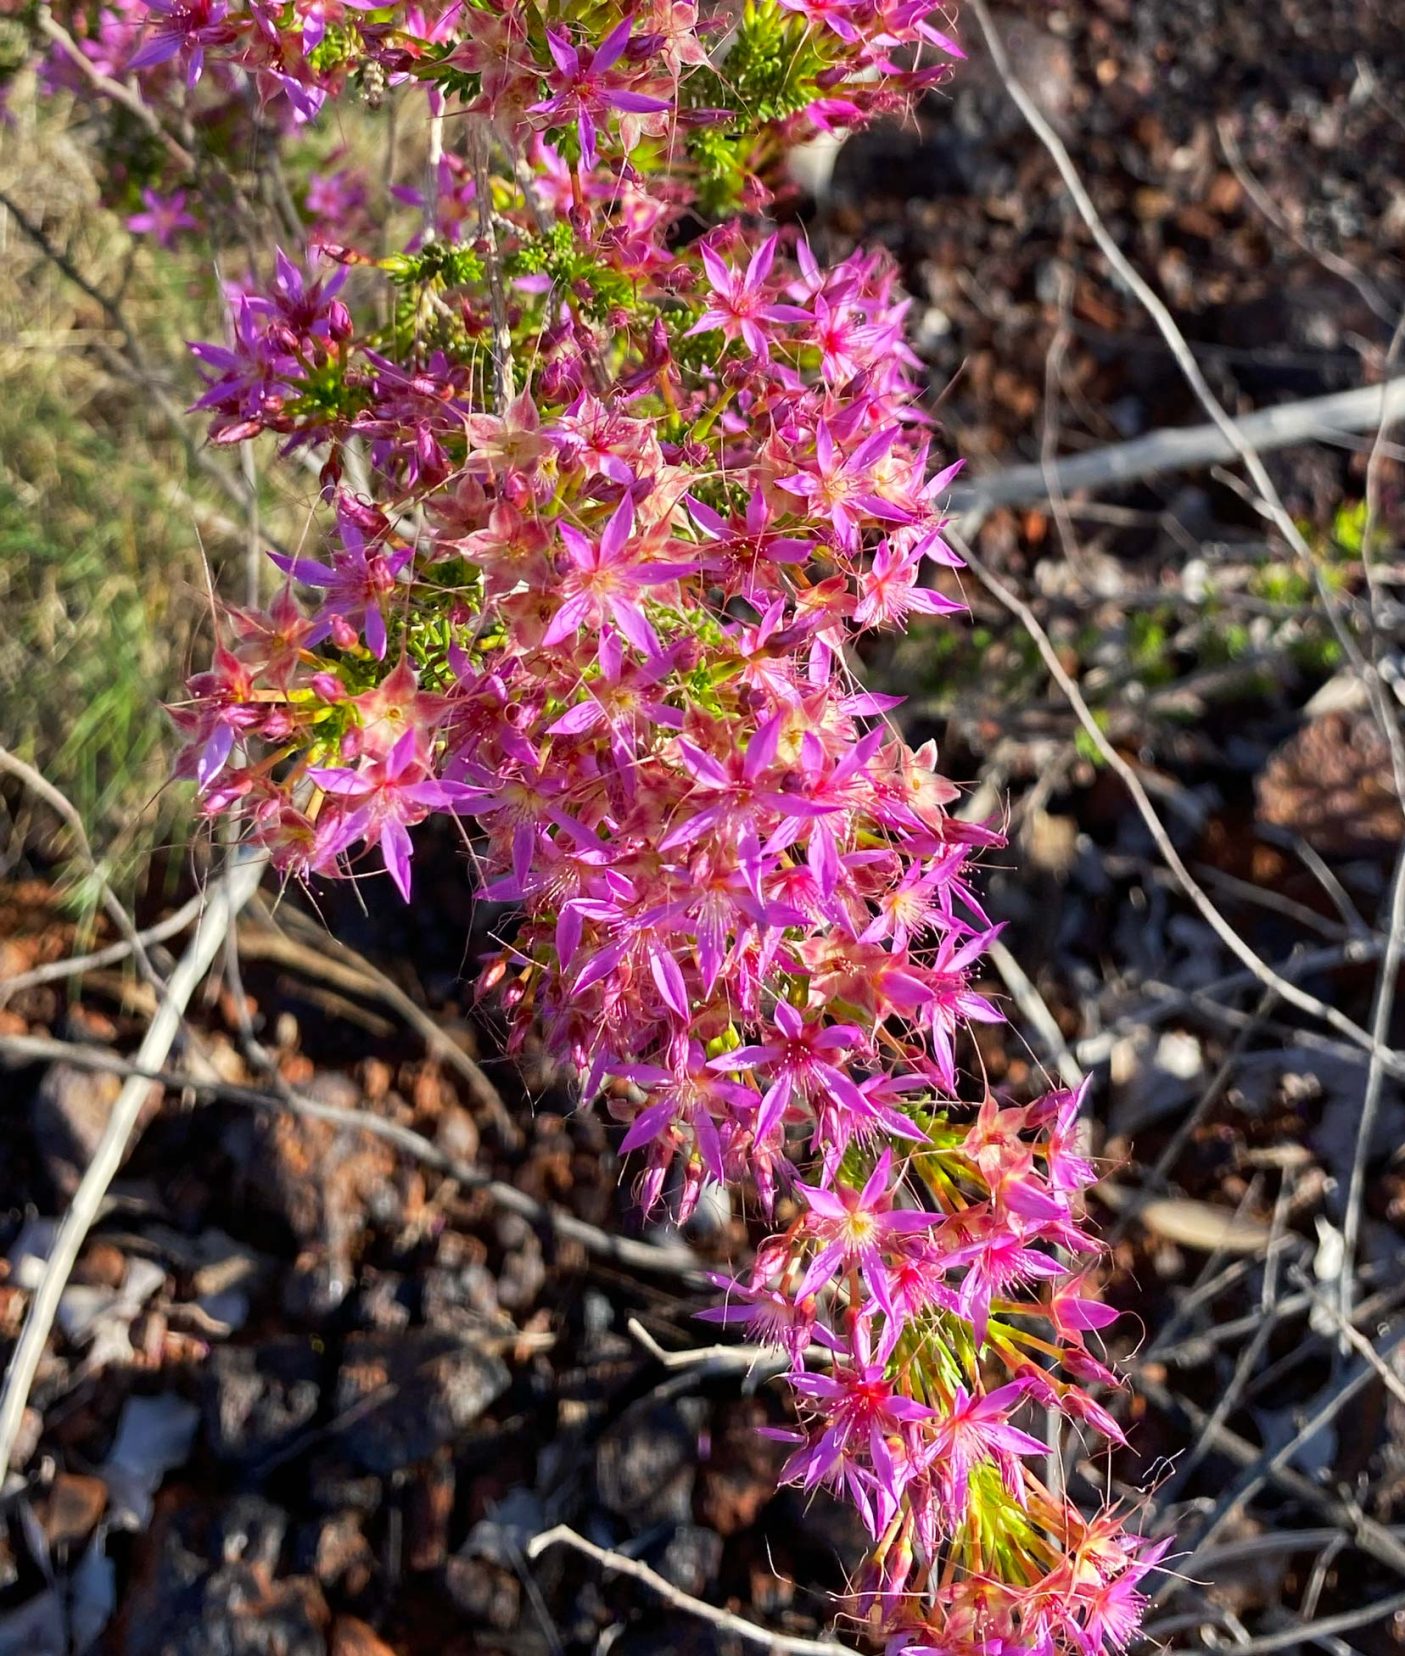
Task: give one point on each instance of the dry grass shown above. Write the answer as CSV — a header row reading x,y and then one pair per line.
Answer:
x,y
106,525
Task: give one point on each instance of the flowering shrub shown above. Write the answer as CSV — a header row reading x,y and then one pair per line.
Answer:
x,y
632,475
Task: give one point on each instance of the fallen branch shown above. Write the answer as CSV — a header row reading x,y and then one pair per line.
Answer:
x,y
1365,1533
562,1535
1269,1467
1381,1013
1309,1630
130,361
1269,501
115,91
1390,1060
63,808
354,972
227,898
112,955
1185,448
1351,1336
626,1252
1035,1011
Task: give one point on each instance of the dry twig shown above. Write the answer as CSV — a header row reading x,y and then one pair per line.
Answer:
x,y
1309,1630
64,808
1381,1013
115,91
492,261
1183,448
114,953
1339,267
1393,1062
1371,1537
227,898
354,972
674,1260
1270,502
737,1626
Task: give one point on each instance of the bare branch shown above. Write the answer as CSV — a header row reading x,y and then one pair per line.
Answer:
x,y
1372,1537
1339,267
1185,448
1270,501
497,297
1381,1012
1374,464
1309,1630
1035,1011
227,899
626,1252
76,965
115,91
362,976
64,808
740,1628
1393,1062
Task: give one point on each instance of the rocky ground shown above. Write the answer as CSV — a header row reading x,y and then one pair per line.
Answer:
x,y
314,1391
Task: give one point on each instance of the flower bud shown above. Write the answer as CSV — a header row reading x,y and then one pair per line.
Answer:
x,y
339,323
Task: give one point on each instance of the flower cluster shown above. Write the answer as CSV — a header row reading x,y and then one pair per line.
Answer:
x,y
609,501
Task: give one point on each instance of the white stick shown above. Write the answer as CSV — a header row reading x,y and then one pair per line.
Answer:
x,y
1187,448
227,897
790,1643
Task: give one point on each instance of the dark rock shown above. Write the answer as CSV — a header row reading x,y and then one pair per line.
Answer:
x,y
241,1612
67,1114
251,1531
406,1394
71,1509
384,1301
256,1399
522,1277
207,1585
315,1288
326,1182
647,1462
352,1637
690,1559
459,1298
739,1476
488,1594
429,1507
336,1552
335,1487
679,1635
456,1134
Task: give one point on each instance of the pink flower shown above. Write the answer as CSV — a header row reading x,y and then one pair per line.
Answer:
x,y
975,1429
800,1064
888,590
603,582
164,217
844,487
586,85
357,583
998,1260
739,303
380,800
856,1229
184,26
864,1445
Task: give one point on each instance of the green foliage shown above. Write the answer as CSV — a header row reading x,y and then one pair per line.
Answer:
x,y
770,72
575,270
1083,743
1148,645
